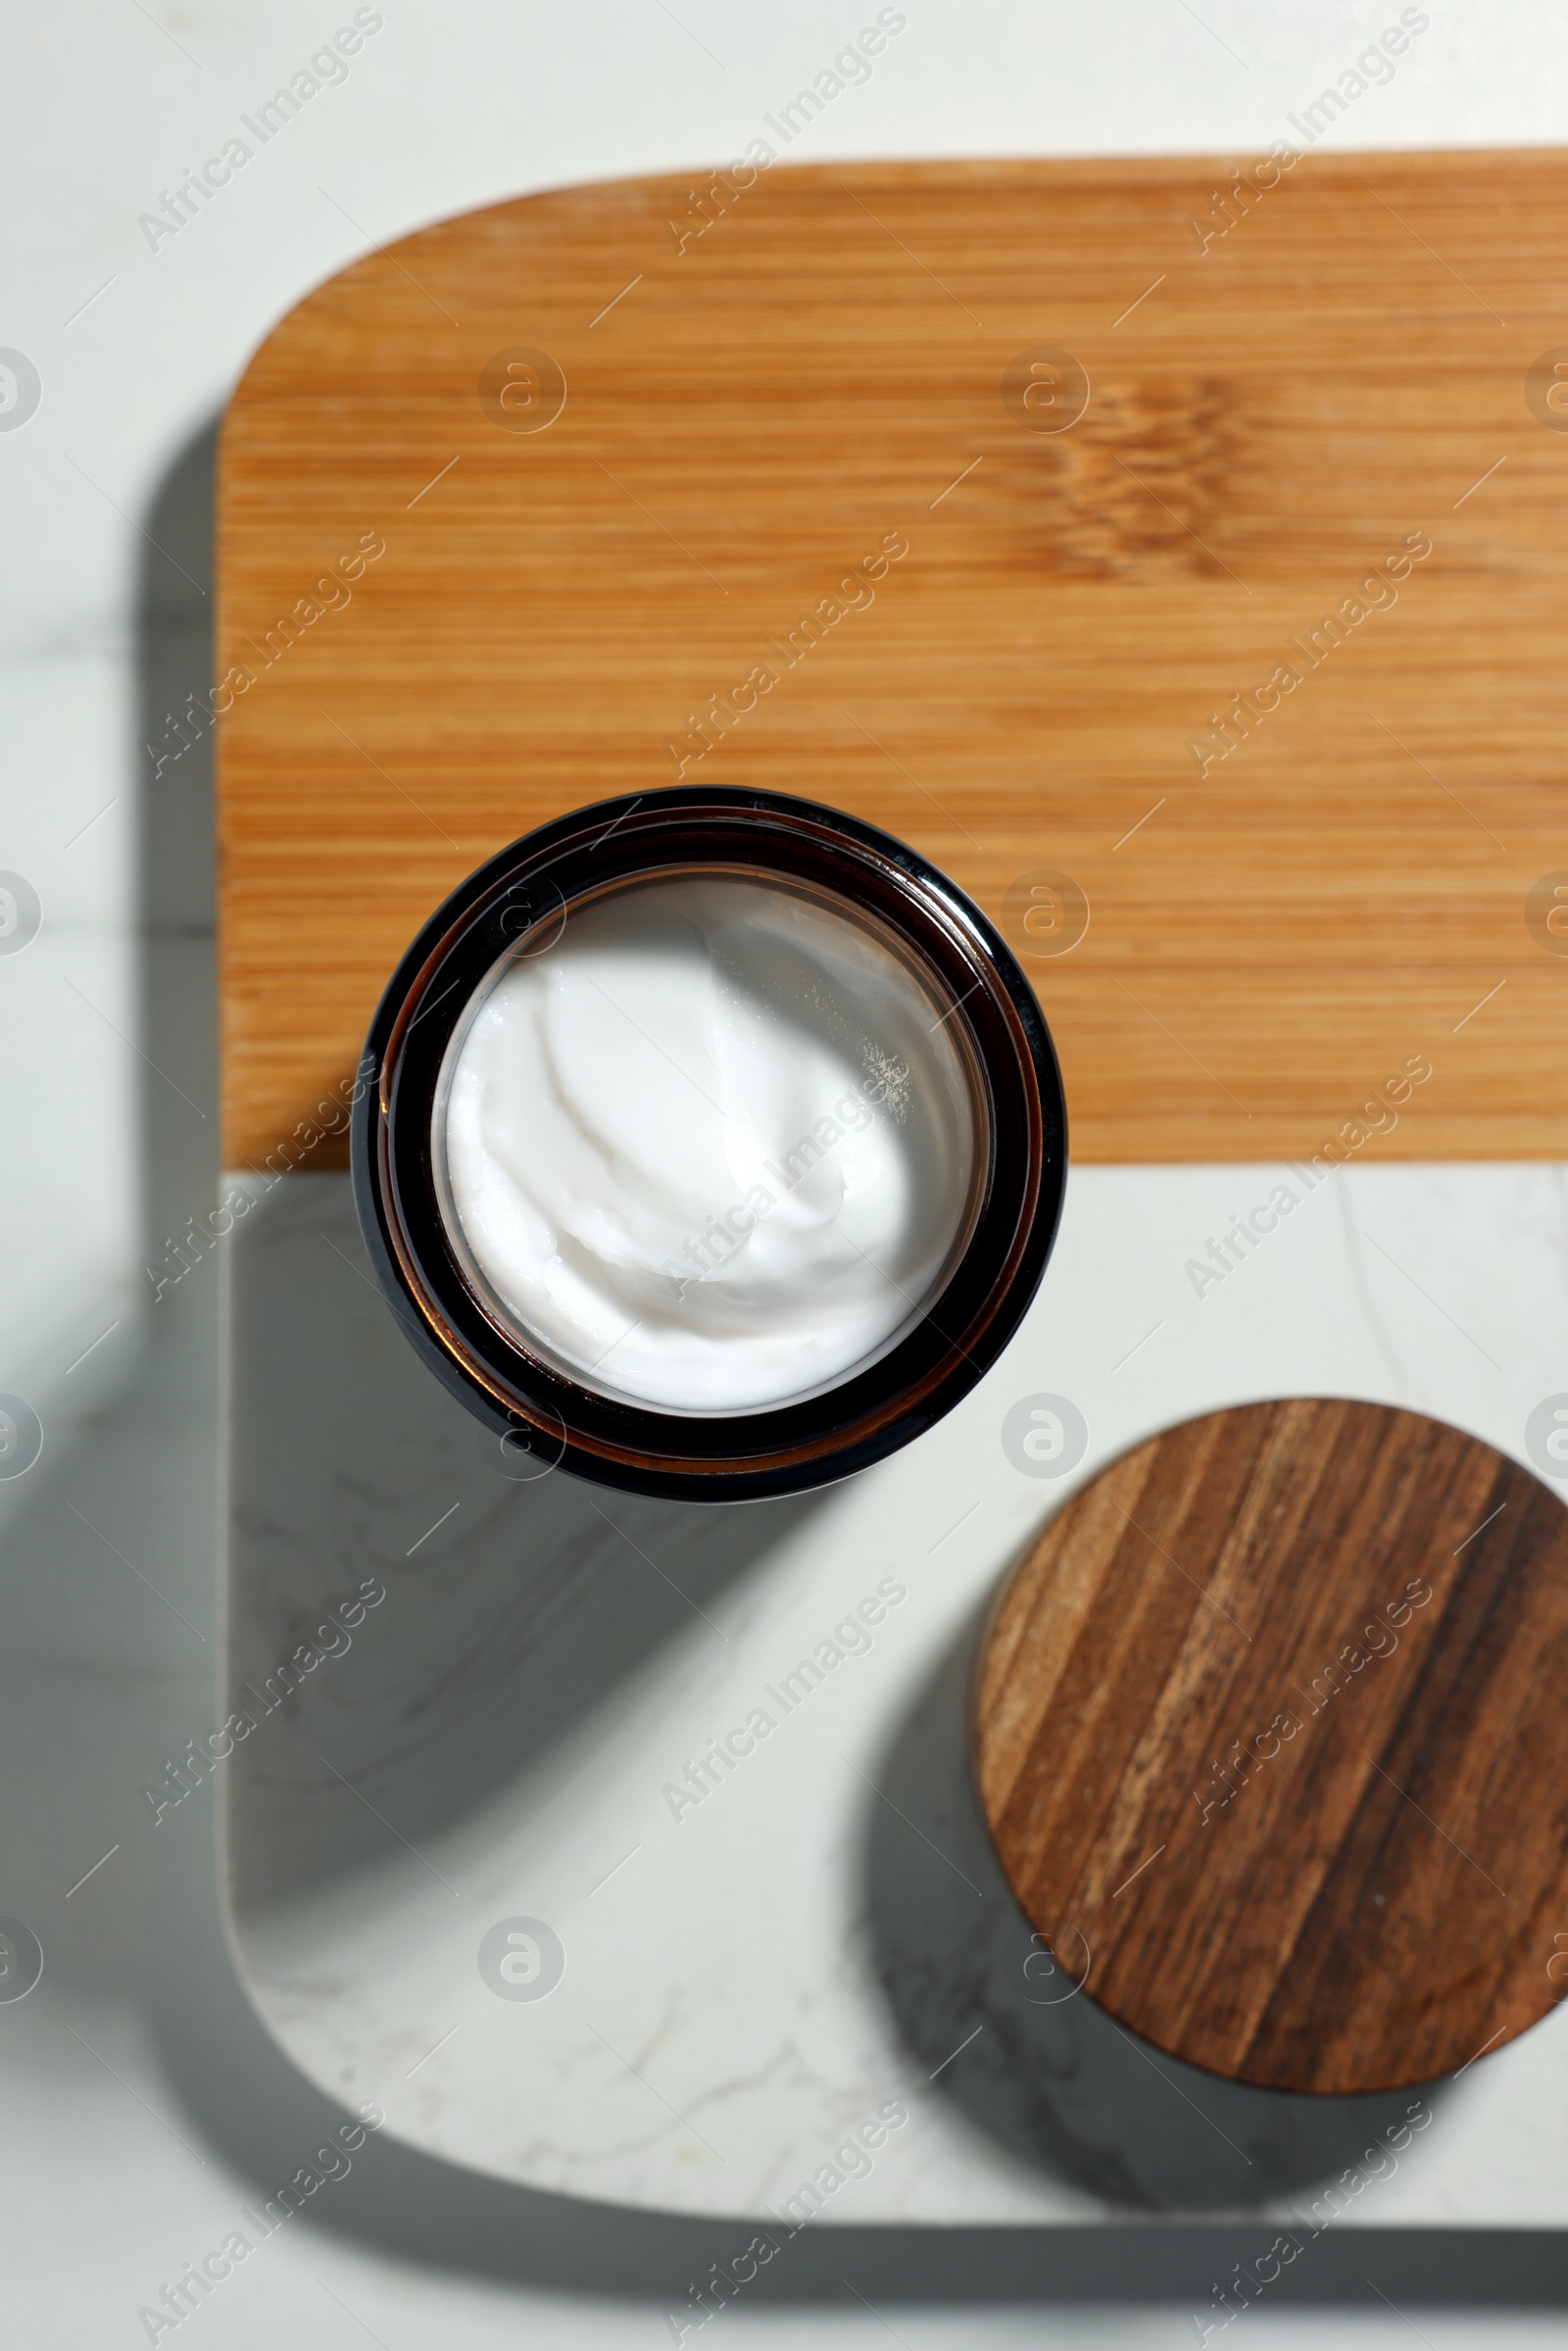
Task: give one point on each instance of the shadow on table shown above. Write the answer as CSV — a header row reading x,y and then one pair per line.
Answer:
x,y
1031,2061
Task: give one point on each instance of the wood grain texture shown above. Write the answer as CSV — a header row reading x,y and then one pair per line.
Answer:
x,y
1311,1827
753,411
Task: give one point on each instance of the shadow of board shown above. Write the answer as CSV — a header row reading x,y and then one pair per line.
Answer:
x,y
265,2118
539,1598
172,759
1063,2090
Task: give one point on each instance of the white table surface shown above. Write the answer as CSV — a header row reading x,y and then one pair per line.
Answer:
x,y
145,2102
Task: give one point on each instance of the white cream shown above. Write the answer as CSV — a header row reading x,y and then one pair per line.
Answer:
x,y
713,1148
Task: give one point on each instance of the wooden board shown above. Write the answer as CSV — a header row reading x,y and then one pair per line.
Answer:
x,y
753,410
1270,1738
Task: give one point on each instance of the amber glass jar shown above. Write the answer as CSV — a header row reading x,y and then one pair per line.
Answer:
x,y
517,906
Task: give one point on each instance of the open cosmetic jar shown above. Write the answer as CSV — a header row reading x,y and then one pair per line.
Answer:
x,y
716,1144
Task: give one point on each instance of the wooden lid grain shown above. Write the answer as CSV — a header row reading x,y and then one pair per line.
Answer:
x,y
1274,1717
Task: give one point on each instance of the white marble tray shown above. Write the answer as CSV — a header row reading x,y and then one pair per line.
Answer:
x,y
750,1978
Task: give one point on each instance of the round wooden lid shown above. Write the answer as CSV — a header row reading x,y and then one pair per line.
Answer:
x,y
1271,1732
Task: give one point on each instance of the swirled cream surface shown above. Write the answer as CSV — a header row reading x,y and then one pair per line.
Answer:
x,y
711,1149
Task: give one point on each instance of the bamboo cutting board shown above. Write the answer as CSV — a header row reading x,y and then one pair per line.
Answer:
x,y
1025,495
